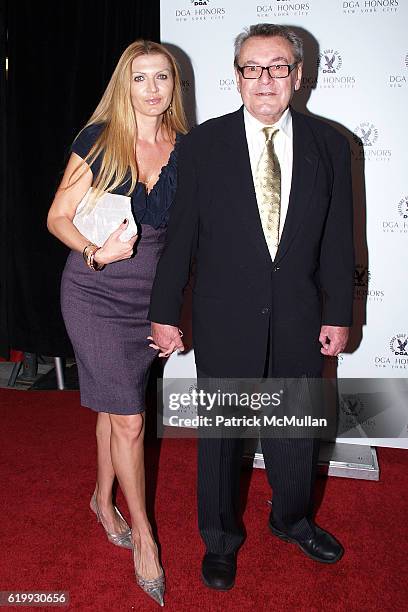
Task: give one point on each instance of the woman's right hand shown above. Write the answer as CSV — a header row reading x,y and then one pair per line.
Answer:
x,y
114,249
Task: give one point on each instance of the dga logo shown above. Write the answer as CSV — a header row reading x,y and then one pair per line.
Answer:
x,y
362,7
399,80
399,345
350,6
403,207
355,412
363,289
361,276
330,61
399,225
351,406
227,84
366,134
200,10
185,85
330,66
283,8
351,411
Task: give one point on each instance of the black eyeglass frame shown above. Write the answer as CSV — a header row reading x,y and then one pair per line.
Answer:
x,y
290,67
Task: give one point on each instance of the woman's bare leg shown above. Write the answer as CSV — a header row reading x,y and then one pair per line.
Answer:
x,y
106,476
127,452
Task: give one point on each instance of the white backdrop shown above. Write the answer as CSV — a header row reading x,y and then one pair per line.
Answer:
x,y
356,77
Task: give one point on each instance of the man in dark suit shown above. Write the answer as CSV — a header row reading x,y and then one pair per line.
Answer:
x,y
264,207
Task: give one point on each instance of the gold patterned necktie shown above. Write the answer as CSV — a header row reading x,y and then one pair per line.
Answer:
x,y
268,190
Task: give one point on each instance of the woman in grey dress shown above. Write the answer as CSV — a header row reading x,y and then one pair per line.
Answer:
x,y
128,147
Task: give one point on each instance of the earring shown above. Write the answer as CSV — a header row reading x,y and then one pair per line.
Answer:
x,y
170,109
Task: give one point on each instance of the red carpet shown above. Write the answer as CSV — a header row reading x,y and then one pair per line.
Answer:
x,y
51,541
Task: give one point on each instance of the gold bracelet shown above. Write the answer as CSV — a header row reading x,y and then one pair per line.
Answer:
x,y
89,257
94,265
85,252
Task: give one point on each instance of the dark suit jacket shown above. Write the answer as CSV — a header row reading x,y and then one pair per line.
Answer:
x,y
238,289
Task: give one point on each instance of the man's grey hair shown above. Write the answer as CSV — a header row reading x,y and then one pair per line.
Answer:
x,y
266,30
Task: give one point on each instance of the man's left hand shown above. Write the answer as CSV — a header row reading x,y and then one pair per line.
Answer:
x,y
333,339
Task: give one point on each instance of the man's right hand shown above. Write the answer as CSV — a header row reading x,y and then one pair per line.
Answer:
x,y
166,339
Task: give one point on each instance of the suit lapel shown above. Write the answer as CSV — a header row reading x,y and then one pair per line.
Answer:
x,y
305,164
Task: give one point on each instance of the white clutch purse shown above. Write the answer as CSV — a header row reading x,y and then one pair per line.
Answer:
x,y
107,213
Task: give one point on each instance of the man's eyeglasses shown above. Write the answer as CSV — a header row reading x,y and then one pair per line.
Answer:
x,y
276,71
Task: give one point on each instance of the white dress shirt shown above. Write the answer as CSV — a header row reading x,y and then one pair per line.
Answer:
x,y
283,143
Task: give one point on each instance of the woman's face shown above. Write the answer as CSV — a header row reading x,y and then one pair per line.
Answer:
x,y
152,84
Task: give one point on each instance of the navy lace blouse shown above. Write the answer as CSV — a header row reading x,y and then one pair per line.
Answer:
x,y
151,208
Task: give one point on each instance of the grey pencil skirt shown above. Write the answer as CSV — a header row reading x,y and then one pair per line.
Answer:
x,y
105,314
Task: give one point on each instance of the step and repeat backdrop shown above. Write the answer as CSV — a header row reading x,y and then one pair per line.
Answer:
x,y
355,77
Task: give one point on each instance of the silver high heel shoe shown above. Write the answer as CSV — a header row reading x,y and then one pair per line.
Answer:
x,y
119,539
154,588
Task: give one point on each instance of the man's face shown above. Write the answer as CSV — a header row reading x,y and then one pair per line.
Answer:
x,y
267,98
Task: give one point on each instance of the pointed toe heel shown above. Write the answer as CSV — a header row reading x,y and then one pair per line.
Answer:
x,y
118,539
153,588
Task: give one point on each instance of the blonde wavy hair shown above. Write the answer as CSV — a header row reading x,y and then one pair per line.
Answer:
x,y
117,140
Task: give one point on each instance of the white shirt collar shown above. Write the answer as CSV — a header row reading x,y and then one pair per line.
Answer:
x,y
254,125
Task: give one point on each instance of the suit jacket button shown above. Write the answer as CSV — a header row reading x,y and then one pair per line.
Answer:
x,y
265,310
276,268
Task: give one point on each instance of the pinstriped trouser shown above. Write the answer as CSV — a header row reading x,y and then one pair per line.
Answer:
x,y
291,470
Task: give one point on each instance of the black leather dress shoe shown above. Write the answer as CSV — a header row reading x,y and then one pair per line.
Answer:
x,y
218,571
322,547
